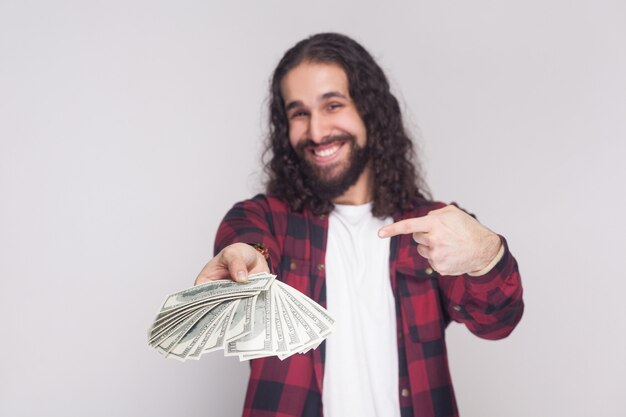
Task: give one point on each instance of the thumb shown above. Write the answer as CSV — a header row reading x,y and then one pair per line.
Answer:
x,y
238,269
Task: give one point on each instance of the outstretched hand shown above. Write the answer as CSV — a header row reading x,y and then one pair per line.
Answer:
x,y
236,262
452,241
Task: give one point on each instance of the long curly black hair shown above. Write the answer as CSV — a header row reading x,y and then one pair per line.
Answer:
x,y
396,174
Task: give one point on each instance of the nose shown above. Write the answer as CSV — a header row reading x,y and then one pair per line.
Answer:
x,y
318,128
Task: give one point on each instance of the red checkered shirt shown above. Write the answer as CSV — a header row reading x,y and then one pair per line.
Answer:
x,y
490,306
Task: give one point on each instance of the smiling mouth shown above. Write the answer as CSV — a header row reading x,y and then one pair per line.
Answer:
x,y
326,151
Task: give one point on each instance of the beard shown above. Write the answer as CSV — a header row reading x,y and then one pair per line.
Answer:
x,y
330,182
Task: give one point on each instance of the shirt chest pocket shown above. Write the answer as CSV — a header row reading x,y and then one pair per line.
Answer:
x,y
296,272
420,306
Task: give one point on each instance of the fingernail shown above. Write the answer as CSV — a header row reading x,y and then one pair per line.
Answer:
x,y
241,276
382,233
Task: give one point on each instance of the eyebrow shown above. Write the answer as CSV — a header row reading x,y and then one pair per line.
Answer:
x,y
332,94
325,96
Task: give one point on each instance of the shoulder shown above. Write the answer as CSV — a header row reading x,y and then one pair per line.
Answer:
x,y
261,203
263,212
420,207
265,208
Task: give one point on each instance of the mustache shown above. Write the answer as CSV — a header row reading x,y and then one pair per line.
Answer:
x,y
309,143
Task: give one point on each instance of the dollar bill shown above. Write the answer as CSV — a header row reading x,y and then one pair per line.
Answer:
x,y
316,314
241,322
214,290
209,338
259,340
189,341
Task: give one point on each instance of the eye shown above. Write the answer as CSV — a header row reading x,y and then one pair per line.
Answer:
x,y
334,106
298,113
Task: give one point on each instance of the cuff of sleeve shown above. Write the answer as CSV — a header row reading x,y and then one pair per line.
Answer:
x,y
492,278
263,250
491,264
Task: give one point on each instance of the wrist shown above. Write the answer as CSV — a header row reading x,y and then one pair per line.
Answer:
x,y
260,248
491,264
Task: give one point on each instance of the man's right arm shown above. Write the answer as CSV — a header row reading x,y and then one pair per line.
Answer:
x,y
248,222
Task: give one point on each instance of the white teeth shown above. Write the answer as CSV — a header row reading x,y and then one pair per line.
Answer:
x,y
326,152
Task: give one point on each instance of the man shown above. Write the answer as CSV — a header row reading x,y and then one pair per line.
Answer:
x,y
345,221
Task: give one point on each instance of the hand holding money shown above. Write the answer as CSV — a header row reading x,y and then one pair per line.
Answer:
x,y
236,262
263,317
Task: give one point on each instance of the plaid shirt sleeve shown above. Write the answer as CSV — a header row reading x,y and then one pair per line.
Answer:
x,y
490,305
250,221
276,388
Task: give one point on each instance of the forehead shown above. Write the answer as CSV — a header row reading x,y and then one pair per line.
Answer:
x,y
310,81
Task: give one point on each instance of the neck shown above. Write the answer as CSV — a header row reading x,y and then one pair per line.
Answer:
x,y
360,192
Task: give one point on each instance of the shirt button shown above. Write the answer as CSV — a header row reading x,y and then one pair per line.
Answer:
x,y
429,271
456,308
405,392
293,266
320,267
322,216
399,336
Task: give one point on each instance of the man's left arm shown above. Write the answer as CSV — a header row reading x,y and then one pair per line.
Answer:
x,y
491,304
480,281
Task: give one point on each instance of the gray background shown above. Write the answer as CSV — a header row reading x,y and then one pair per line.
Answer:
x,y
128,128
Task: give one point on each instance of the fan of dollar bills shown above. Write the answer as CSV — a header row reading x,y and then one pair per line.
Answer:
x,y
262,317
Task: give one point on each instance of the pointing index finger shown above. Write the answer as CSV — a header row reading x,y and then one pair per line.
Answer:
x,y
405,227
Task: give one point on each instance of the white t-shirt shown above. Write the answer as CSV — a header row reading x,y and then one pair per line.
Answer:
x,y
361,372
